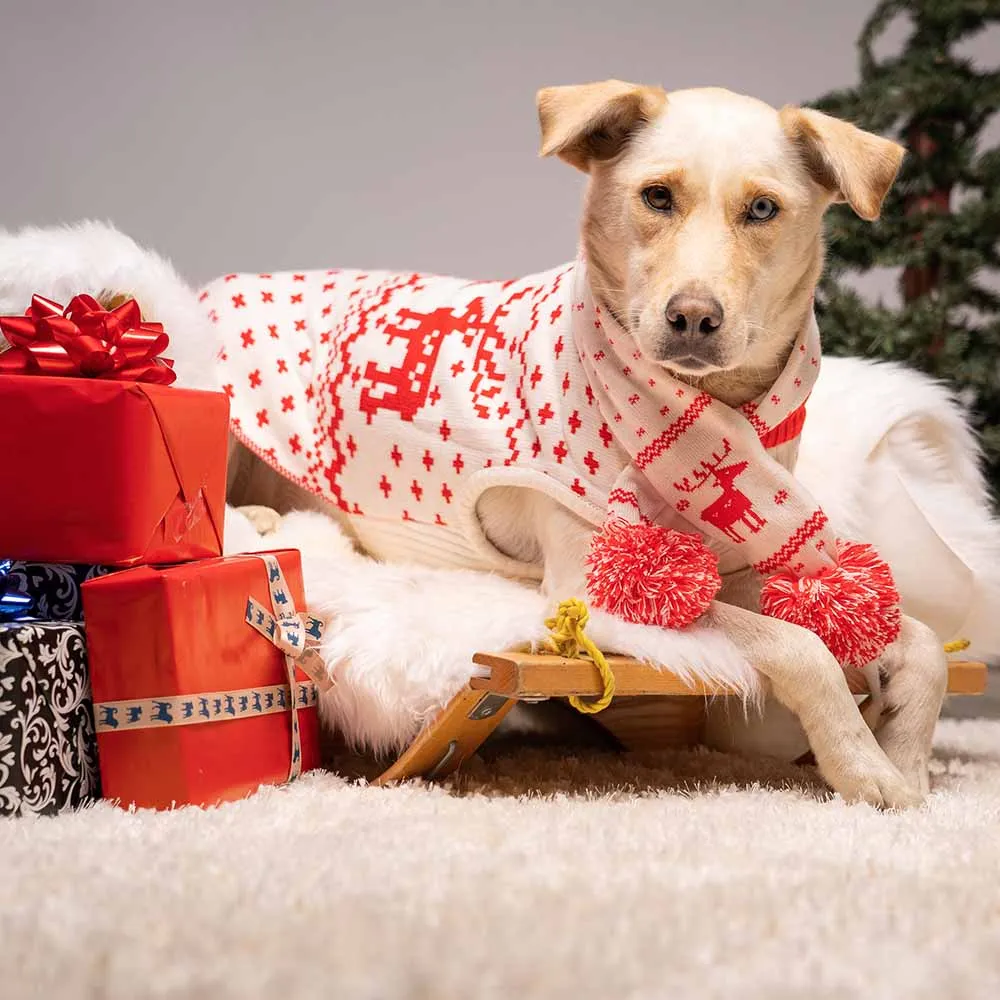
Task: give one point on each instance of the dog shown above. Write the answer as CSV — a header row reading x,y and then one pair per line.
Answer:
x,y
702,236
712,299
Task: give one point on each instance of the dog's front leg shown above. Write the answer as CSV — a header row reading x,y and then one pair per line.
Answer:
x,y
913,673
806,678
803,674
564,540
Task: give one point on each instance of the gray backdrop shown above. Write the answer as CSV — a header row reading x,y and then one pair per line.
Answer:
x,y
255,135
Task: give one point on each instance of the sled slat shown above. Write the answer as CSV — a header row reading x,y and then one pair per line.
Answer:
x,y
541,675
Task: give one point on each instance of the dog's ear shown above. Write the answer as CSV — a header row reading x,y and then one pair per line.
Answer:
x,y
855,166
592,121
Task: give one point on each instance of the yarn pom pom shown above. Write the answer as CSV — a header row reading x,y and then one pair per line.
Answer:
x,y
853,606
650,575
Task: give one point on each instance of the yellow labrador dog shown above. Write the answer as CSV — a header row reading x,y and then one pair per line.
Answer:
x,y
702,234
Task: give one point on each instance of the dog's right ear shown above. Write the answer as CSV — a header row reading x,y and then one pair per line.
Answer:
x,y
593,121
856,167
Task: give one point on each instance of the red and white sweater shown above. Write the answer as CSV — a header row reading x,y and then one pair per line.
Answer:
x,y
402,397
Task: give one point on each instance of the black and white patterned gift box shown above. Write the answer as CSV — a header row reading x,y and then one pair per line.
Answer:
x,y
54,588
48,752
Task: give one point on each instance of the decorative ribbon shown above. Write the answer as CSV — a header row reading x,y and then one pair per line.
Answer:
x,y
296,635
14,606
85,340
191,709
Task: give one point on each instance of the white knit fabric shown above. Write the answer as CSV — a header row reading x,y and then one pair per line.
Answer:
x,y
402,397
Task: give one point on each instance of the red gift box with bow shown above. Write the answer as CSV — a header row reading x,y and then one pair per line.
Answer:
x,y
106,462
205,679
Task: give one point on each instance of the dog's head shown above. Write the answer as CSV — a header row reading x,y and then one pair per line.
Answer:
x,y
703,222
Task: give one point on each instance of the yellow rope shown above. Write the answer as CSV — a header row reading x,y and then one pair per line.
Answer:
x,y
957,646
569,639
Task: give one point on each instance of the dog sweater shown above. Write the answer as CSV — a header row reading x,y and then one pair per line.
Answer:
x,y
401,398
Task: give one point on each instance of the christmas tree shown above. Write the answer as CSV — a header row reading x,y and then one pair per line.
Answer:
x,y
941,222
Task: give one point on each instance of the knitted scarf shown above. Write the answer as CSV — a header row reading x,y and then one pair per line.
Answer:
x,y
693,454
704,459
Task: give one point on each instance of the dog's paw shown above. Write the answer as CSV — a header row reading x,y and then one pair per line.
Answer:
x,y
916,668
909,754
917,774
265,520
870,777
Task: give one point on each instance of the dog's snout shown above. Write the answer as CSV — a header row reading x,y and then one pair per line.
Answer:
x,y
694,312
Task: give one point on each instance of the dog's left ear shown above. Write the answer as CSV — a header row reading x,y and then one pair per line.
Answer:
x,y
855,166
593,121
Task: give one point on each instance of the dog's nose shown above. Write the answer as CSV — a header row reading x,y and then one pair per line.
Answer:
x,y
694,312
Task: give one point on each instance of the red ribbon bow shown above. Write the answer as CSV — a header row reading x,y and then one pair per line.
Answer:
x,y
87,340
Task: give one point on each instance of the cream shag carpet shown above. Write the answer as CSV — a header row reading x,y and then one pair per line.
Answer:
x,y
685,874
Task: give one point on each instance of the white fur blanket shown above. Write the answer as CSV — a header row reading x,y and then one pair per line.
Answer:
x,y
899,471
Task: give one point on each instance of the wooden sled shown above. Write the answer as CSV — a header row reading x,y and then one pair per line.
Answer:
x,y
652,707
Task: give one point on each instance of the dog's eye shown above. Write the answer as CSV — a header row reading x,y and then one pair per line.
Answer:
x,y
762,209
658,198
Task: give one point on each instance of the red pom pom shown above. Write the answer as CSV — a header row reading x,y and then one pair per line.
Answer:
x,y
651,575
853,606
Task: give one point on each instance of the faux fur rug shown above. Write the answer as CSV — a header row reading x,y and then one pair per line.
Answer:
x,y
539,873
399,640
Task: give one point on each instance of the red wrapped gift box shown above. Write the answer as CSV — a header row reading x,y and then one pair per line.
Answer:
x,y
186,687
111,472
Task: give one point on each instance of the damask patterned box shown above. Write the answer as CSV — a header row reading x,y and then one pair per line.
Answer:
x,y
48,753
45,591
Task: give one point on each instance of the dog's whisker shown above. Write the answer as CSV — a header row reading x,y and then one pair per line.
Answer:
x,y
607,292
